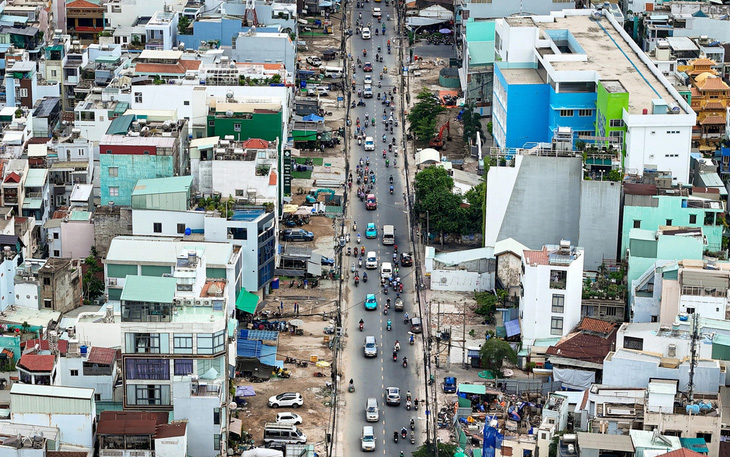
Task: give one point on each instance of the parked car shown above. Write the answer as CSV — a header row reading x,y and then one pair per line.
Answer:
x,y
416,325
318,90
406,259
328,261
297,235
293,399
392,396
288,418
314,61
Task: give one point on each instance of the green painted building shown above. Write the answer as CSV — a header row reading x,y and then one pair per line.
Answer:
x,y
478,70
611,101
246,120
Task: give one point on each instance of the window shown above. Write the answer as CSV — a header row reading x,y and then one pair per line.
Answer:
x,y
47,303
216,416
692,218
616,137
185,287
668,222
148,394
46,281
610,311
705,436
217,442
637,223
237,233
211,343
558,278
157,227
138,97
53,73
183,367
186,102
113,172
56,253
180,228
108,151
97,397
631,342
22,93
239,192
146,343
182,343
566,113
211,123
151,369
556,326
55,235
113,191
616,123
558,303
74,372
585,113
236,127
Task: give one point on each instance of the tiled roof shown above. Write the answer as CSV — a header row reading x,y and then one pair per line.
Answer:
x,y
536,257
713,120
682,452
272,178
37,363
43,345
102,356
190,64
582,346
82,4
159,68
702,61
130,422
596,325
256,143
714,105
170,430
12,177
715,83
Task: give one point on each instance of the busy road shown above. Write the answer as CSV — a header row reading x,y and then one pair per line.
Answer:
x,y
378,197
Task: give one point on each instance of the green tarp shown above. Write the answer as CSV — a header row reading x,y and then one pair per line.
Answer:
x,y
477,389
247,302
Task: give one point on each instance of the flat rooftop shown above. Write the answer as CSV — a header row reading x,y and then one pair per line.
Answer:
x,y
522,76
612,58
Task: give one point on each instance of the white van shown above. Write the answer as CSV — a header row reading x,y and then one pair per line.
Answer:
x,y
371,261
388,235
371,410
333,72
280,433
368,438
386,270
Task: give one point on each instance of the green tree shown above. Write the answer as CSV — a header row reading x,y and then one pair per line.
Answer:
x,y
472,123
182,25
431,179
474,213
494,352
486,303
427,450
92,286
422,118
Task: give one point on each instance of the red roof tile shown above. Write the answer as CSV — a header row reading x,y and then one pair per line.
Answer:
x,y
596,325
536,257
130,422
255,143
272,178
190,64
102,356
12,177
682,452
170,430
37,363
44,346
82,4
713,120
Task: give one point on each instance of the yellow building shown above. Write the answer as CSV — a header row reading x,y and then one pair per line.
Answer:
x,y
710,99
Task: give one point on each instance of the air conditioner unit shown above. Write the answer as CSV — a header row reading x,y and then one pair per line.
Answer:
x,y
176,302
198,303
207,302
112,281
188,303
154,319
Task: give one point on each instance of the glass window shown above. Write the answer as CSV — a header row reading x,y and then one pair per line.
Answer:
x,y
556,326
148,394
566,113
211,343
216,416
113,172
113,191
692,218
182,343
157,227
151,369
585,113
183,367
558,303
217,442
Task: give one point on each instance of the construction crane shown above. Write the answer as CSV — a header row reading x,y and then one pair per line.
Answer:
x,y
438,141
251,8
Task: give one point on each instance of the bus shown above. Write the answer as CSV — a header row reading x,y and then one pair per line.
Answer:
x,y
388,235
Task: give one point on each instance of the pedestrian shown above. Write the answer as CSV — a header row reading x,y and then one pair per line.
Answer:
x,y
296,308
281,306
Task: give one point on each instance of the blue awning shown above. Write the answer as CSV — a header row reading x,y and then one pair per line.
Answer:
x,y
512,327
313,118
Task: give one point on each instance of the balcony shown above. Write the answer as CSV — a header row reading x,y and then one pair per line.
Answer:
x,y
205,389
125,453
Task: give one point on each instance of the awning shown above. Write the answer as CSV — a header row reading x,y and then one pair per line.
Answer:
x,y
247,302
314,265
245,391
512,327
235,426
313,118
477,389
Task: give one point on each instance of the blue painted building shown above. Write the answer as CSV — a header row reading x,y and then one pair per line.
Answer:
x,y
724,160
219,29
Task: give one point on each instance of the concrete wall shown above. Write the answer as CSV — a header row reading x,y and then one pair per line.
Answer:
x,y
78,237
265,48
461,280
103,385
108,223
689,426
76,429
143,221
509,269
26,295
504,8
600,203
199,413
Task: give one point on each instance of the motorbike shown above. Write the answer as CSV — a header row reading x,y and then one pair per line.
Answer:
x,y
359,143
395,357
395,436
413,424
411,340
405,362
351,388
413,438
358,238
365,277
408,407
415,404
404,432
357,280
405,319
391,187
385,311
397,347
362,326
387,165
389,325
385,290
349,250
359,262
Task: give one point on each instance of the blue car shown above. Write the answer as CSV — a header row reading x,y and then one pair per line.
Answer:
x,y
327,261
371,303
371,231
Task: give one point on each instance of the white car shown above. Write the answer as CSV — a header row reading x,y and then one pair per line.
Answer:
x,y
288,419
376,12
293,399
366,33
369,144
368,79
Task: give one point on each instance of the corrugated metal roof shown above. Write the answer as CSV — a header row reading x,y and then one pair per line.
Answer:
x,y
162,185
36,177
605,442
80,393
120,125
149,289
159,251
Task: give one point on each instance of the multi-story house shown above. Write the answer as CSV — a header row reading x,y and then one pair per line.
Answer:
x,y
477,72
84,20
92,367
161,30
552,74
174,349
14,174
134,149
140,434
552,282
710,100
37,202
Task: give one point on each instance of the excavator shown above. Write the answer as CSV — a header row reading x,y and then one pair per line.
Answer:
x,y
437,142
314,195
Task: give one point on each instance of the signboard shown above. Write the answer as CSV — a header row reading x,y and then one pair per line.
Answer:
x,y
287,171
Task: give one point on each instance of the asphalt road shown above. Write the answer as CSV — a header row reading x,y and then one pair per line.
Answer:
x,y
373,375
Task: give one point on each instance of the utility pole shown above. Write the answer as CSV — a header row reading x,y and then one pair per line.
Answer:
x,y
438,333
463,341
428,227
448,354
694,329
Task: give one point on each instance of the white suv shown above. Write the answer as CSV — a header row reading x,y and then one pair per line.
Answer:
x,y
293,399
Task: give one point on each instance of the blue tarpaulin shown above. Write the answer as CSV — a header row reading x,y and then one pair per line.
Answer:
x,y
313,118
512,327
492,438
